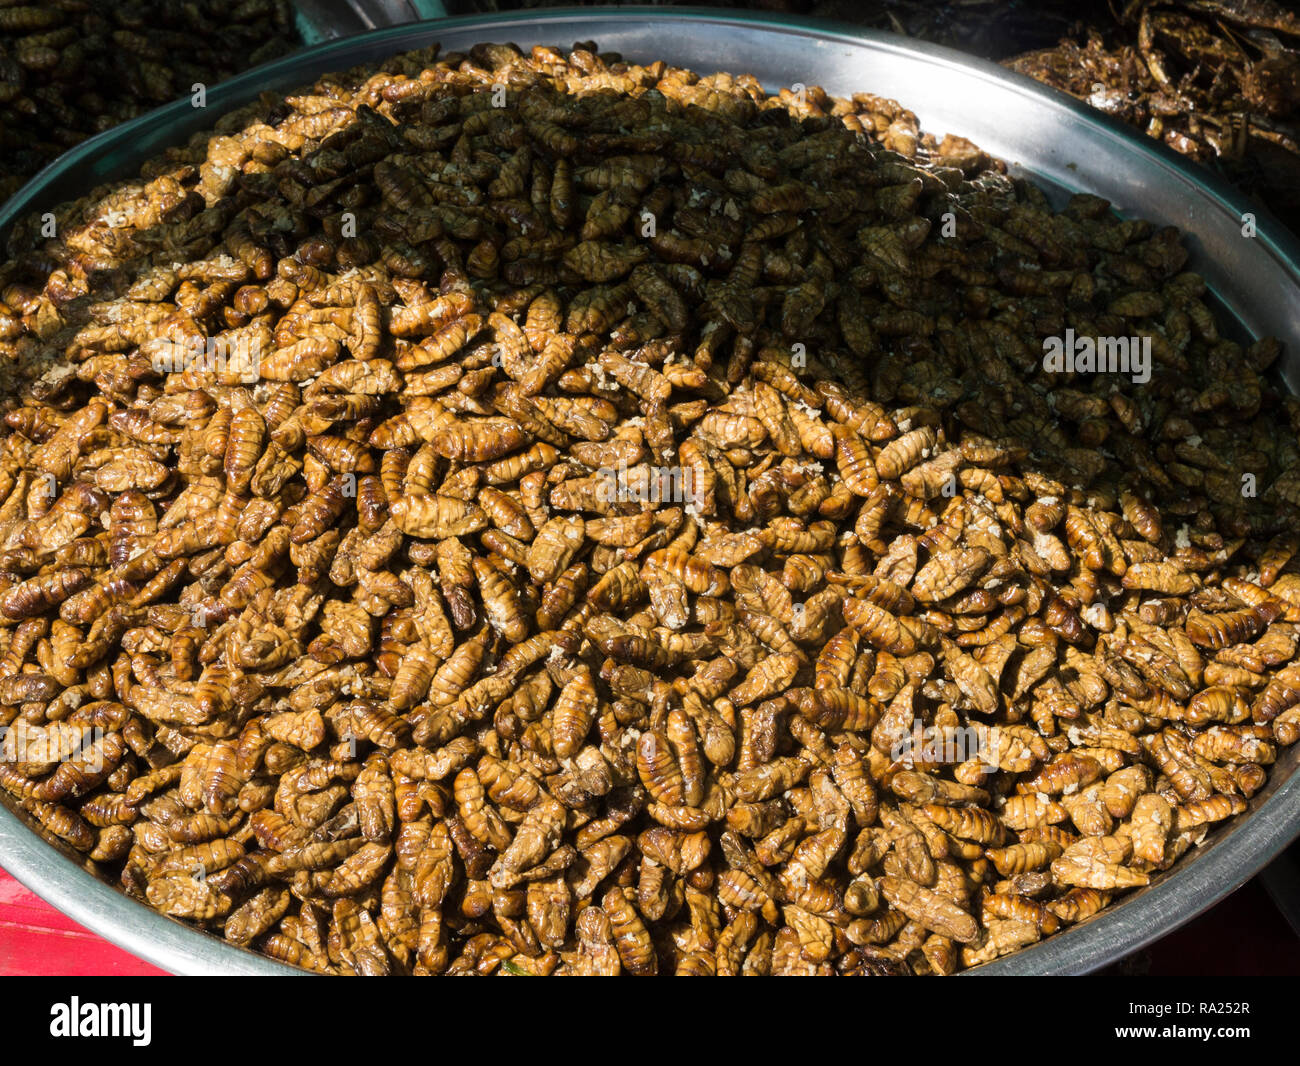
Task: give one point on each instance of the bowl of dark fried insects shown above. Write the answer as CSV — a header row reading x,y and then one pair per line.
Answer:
x,y
648,505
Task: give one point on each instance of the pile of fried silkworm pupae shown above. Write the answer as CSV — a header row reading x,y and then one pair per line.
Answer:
x,y
532,513
72,68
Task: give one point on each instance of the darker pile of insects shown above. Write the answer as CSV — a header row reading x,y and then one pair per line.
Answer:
x,y
73,68
536,514
1217,80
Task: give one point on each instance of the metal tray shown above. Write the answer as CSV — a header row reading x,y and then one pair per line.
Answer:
x,y
1041,133
327,20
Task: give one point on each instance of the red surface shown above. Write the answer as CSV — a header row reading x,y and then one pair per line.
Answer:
x,y
38,941
1243,935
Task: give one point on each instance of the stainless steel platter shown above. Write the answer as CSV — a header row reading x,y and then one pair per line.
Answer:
x,y
327,20
1045,135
